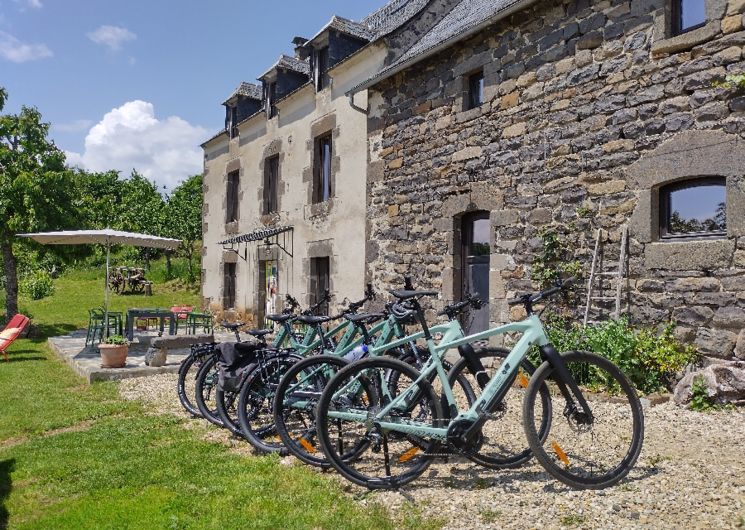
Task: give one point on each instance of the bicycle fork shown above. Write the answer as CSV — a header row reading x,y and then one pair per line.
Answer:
x,y
563,379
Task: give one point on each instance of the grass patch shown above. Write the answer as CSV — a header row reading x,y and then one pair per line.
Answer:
x,y
572,520
74,455
149,472
490,516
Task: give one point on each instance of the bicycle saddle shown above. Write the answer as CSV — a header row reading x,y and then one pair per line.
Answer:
x,y
312,319
259,333
405,294
232,326
280,318
365,318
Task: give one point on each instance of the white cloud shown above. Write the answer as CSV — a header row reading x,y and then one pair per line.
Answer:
x,y
34,4
112,36
72,126
131,137
16,51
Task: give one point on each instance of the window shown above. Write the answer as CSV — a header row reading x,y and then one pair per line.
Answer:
x,y
271,99
233,121
476,90
322,169
271,179
322,68
474,273
232,192
688,15
319,282
228,292
693,208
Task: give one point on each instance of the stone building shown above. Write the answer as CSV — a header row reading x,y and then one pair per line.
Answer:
x,y
476,129
509,119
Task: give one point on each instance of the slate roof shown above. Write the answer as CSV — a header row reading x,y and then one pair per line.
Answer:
x,y
462,21
346,26
289,63
248,90
392,16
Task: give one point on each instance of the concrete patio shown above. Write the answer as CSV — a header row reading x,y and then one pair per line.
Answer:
x,y
86,361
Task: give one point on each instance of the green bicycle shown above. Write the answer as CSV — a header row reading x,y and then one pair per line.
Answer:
x,y
592,441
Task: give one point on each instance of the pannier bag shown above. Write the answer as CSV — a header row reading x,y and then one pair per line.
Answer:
x,y
235,360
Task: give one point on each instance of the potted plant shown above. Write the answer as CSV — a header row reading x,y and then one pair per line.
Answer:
x,y
114,350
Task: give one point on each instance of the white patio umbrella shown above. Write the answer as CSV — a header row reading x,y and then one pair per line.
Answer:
x,y
107,238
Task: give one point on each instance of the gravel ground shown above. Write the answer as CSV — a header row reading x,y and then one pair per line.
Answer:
x,y
691,474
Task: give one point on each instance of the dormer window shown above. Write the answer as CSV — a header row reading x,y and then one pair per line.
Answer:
x,y
271,99
687,15
233,121
322,68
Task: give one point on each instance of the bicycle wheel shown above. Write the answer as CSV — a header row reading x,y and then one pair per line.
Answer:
x,y
385,459
295,406
587,452
503,437
255,403
186,386
226,405
205,389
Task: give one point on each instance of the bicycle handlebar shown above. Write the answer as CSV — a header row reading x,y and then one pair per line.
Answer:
x,y
529,299
454,309
312,309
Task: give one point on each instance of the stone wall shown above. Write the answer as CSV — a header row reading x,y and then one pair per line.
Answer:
x,y
590,107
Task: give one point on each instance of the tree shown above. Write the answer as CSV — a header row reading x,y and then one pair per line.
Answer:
x,y
184,217
142,209
37,189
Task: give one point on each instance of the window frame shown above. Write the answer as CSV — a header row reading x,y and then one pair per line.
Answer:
x,y
229,285
323,80
233,121
322,168
664,194
271,99
232,193
473,89
676,19
319,280
270,192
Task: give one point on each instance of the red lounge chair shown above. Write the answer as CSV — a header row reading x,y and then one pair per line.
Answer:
x,y
11,332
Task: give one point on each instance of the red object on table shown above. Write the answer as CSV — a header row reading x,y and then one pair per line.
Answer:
x,y
181,311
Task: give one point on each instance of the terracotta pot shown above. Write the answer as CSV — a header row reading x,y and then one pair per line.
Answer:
x,y
113,355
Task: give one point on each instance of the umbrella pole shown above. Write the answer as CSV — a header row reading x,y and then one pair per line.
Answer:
x,y
106,291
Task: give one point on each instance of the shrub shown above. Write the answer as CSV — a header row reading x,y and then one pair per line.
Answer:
x,y
700,399
649,358
116,339
37,285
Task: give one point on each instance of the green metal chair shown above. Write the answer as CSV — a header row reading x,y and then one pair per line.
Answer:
x,y
195,320
96,326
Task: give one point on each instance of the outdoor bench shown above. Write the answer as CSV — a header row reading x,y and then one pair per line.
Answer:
x,y
159,346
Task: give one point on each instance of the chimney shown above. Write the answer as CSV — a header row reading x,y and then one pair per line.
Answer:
x,y
299,42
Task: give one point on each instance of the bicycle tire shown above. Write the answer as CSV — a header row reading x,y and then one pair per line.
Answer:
x,y
296,426
188,366
255,412
413,454
625,411
502,447
205,388
225,404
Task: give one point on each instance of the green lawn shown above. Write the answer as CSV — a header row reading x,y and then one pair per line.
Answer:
x,y
77,456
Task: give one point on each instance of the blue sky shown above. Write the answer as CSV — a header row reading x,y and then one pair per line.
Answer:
x,y
139,83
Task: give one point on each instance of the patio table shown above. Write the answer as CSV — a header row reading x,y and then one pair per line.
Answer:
x,y
161,314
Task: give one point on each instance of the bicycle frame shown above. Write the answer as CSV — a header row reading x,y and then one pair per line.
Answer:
x,y
532,331
385,330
